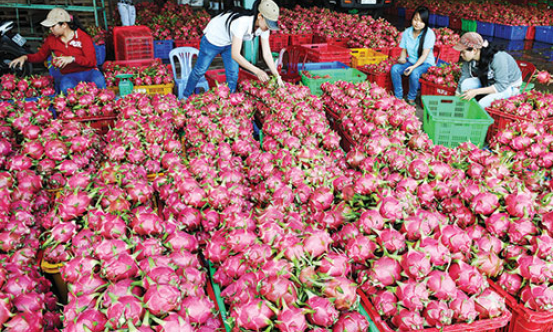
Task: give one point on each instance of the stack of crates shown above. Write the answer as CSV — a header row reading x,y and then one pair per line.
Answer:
x,y
133,43
327,53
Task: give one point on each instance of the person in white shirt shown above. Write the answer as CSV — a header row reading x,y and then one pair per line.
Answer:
x,y
224,35
127,11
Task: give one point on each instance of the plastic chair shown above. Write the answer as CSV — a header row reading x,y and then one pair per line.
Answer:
x,y
527,70
185,56
289,60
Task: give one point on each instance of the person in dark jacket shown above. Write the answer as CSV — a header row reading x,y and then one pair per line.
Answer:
x,y
487,71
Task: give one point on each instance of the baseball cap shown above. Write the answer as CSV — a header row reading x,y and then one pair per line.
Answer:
x,y
470,40
56,16
270,11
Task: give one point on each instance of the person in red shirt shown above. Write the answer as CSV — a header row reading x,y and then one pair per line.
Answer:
x,y
71,49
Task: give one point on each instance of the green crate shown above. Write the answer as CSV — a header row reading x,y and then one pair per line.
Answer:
x,y
469,25
450,121
223,309
342,74
528,88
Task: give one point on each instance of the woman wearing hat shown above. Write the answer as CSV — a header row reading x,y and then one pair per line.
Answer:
x,y
487,71
224,35
71,49
417,43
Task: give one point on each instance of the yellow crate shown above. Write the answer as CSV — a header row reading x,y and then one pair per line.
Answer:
x,y
366,56
162,89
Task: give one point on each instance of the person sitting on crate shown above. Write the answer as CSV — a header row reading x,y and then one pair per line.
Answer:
x,y
71,49
486,70
224,35
417,43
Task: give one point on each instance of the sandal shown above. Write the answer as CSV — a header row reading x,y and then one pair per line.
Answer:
x,y
411,102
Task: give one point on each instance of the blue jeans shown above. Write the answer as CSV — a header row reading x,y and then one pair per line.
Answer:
x,y
69,81
209,51
474,83
397,72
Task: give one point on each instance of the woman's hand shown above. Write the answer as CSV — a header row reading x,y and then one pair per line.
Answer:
x,y
62,61
408,70
18,62
469,94
402,60
262,75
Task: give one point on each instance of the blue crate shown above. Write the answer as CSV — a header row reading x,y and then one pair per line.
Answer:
x,y
544,34
442,20
401,11
322,65
510,32
432,18
162,48
544,49
100,54
485,28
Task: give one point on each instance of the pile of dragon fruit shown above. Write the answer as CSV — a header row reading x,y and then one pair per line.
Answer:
x,y
444,75
13,87
532,105
174,199
155,73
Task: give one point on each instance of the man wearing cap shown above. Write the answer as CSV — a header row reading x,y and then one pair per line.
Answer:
x,y
488,71
224,35
71,49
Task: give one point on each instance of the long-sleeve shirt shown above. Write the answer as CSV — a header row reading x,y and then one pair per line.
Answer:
x,y
503,72
80,46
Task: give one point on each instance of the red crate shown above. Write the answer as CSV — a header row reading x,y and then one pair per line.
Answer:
x,y
130,63
502,120
133,43
485,325
455,23
346,142
278,42
215,76
391,52
101,124
327,53
320,39
301,39
432,89
448,53
383,80
524,319
188,43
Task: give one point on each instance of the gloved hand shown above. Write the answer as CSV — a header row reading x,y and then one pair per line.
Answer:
x,y
280,82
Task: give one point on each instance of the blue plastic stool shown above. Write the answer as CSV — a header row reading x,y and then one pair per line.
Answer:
x,y
185,56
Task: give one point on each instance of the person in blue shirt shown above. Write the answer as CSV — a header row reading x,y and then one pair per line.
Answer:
x,y
417,43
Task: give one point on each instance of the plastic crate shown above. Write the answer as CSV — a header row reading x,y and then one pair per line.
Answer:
x,y
468,25
133,43
448,53
391,52
486,325
215,77
162,48
346,142
450,121
530,33
366,56
432,18
524,319
161,89
100,54
301,39
383,80
327,53
433,89
401,11
130,63
278,42
338,41
485,28
188,43
442,20
101,124
220,303
314,84
504,120
322,65
510,32
544,34
455,23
